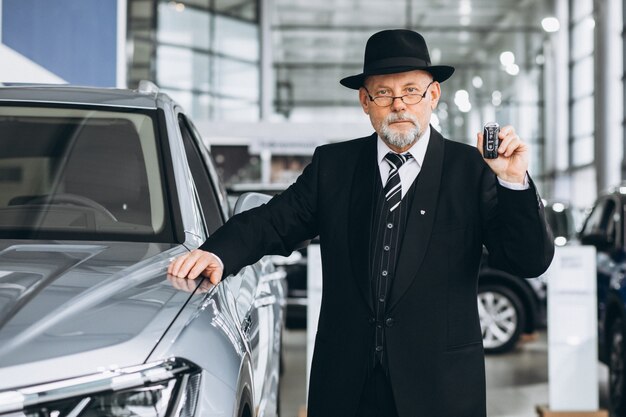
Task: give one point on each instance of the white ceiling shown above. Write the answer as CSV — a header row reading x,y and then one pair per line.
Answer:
x,y
316,43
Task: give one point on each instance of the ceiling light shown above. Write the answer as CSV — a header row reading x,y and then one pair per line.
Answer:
x,y
540,59
465,7
512,69
461,96
507,58
590,22
550,24
560,240
477,82
496,98
465,20
465,107
461,99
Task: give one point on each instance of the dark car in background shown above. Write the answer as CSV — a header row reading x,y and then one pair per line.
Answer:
x,y
510,306
604,228
99,190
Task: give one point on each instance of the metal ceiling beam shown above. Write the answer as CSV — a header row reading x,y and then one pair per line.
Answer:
x,y
420,28
358,65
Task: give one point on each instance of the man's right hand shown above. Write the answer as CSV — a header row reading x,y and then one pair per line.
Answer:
x,y
195,263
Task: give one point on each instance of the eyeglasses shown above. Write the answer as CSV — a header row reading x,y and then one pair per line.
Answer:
x,y
386,101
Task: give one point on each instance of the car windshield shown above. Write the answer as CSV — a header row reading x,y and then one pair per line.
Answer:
x,y
80,173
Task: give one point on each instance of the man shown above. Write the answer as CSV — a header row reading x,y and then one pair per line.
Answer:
x,y
402,216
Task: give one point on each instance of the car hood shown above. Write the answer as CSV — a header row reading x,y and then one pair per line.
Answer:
x,y
70,309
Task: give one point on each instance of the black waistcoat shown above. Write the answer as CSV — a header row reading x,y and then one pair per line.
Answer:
x,y
387,233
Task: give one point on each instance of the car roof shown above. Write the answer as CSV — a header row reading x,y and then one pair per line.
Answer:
x,y
68,94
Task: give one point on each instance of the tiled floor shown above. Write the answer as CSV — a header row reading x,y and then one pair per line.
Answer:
x,y
516,382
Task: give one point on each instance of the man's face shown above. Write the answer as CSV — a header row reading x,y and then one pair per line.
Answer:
x,y
400,124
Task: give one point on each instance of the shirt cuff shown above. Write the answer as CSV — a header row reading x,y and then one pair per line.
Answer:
x,y
515,185
219,260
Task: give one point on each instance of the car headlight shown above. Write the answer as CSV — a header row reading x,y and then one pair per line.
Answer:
x,y
158,389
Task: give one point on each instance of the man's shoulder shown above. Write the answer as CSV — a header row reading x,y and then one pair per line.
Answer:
x,y
352,146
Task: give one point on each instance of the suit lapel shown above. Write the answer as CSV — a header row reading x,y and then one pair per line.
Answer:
x,y
420,219
360,223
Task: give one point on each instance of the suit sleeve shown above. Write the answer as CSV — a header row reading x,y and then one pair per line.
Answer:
x,y
274,228
515,231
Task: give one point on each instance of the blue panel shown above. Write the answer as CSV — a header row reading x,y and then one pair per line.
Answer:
x,y
74,39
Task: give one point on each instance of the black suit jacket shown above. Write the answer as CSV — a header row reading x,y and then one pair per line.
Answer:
x,y
433,340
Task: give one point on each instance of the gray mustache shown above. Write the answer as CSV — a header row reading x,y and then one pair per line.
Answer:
x,y
401,117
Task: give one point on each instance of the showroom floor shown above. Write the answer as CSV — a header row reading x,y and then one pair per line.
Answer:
x,y
516,382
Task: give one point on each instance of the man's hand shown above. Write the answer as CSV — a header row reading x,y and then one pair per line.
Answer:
x,y
197,262
190,285
512,161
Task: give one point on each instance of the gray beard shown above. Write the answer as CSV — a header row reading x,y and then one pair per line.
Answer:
x,y
400,139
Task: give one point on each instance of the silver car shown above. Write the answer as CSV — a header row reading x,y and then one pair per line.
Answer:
x,y
99,190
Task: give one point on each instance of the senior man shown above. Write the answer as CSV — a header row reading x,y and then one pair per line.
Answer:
x,y
402,216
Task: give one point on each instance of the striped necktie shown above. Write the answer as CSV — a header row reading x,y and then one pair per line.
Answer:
x,y
393,187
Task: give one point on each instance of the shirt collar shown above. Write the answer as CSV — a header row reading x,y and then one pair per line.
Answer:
x,y
418,150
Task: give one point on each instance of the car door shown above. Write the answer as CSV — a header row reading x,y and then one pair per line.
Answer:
x,y
253,287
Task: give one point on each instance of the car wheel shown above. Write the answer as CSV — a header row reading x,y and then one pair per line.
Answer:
x,y
616,368
502,318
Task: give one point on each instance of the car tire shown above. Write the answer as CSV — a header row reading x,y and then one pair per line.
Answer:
x,y
617,363
502,317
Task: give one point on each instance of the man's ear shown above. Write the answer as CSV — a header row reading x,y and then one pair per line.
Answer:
x,y
364,100
435,94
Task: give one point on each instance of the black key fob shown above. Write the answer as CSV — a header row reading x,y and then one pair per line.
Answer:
x,y
490,140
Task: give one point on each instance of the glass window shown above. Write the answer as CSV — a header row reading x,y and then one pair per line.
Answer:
x,y
80,174
236,38
235,110
581,43
287,168
582,150
242,9
183,26
235,164
206,193
582,77
582,116
182,68
236,79
581,8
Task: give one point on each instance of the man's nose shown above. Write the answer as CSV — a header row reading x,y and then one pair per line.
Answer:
x,y
398,104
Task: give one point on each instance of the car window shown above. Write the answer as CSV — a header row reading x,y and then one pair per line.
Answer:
x,y
81,173
602,221
209,164
205,189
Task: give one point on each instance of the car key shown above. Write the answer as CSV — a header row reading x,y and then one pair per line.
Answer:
x,y
490,140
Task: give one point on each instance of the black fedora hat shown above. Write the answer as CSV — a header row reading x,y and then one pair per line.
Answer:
x,y
393,51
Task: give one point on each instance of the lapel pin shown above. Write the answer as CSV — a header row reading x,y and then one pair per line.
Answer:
x,y
422,212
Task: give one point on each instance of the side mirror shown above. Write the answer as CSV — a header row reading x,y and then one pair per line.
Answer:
x,y
249,201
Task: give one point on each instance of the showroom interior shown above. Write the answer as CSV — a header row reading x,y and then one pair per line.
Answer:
x,y
260,80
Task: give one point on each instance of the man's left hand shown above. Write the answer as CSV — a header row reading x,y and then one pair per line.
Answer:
x,y
512,161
